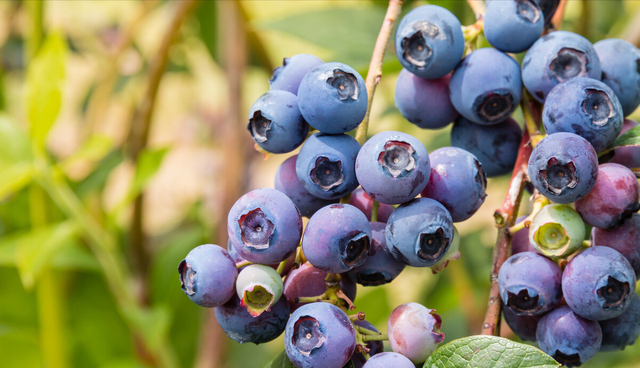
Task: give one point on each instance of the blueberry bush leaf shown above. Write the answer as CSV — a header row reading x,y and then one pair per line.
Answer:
x,y
488,352
630,138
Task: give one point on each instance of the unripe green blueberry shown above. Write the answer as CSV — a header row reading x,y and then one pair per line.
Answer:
x,y
556,231
258,287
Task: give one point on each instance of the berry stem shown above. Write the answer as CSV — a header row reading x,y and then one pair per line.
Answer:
x,y
243,264
380,337
281,267
375,67
556,21
365,331
539,202
374,211
478,8
530,121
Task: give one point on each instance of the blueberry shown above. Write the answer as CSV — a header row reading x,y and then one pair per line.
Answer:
x,y
598,283
326,165
380,267
513,25
414,331
275,122
319,335
259,287
385,360
429,41
457,181
424,102
419,233
286,181
337,238
242,327
628,156
288,76
624,238
620,63
563,167
623,330
614,197
333,98
520,240
522,325
360,199
375,347
264,226
495,146
556,231
453,253
310,281
393,167
548,8
208,275
530,284
568,338
557,57
586,107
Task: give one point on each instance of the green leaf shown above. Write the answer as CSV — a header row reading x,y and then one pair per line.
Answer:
x,y
14,142
14,178
45,76
94,149
488,352
207,16
154,324
630,138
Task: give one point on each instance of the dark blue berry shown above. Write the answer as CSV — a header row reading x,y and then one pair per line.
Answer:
x,y
623,330
620,63
208,275
242,327
288,76
513,25
522,325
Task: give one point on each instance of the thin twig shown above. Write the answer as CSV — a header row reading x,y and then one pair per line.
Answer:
x,y
375,67
558,17
530,120
478,8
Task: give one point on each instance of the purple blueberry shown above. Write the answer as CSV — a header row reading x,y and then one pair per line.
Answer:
x,y
419,233
242,327
486,86
310,281
333,98
275,122
264,226
624,238
513,25
620,63
598,283
555,58
520,239
586,107
393,167
568,338
326,165
319,335
286,181
208,275
457,181
614,197
429,41
623,330
563,167
259,287
288,76
337,238
424,102
495,146
360,199
380,267
524,326
237,258
628,156
375,347
385,360
414,331
530,284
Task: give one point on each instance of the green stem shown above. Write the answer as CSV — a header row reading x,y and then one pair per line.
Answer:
x,y
365,331
281,267
529,120
36,31
374,211
51,309
239,265
380,337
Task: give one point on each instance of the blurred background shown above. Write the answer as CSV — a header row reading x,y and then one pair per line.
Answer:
x,y
123,145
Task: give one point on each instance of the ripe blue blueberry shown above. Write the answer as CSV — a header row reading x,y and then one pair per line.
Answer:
x,y
360,199
568,338
513,25
337,238
457,181
548,8
530,284
429,41
319,335
393,167
555,58
556,231
389,359
333,98
425,102
375,347
613,199
486,86
326,165
495,146
242,327
522,325
259,287
453,253
208,275
624,238
380,267
563,167
264,226
288,76
286,181
414,331
419,233
620,63
310,281
585,107
623,330
275,122
598,283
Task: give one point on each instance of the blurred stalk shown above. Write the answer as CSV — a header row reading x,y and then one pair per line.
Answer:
x,y
36,31
584,26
